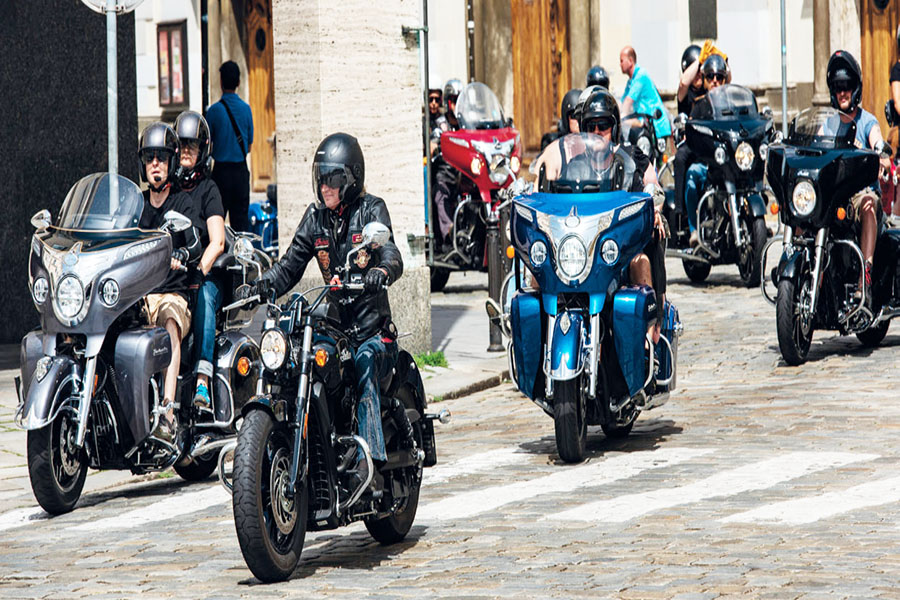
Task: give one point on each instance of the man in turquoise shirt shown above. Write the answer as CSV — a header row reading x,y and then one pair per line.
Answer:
x,y
641,95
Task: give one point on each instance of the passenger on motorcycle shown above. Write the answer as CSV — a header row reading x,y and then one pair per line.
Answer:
x,y
435,99
567,122
167,305
328,231
446,178
193,178
597,75
845,87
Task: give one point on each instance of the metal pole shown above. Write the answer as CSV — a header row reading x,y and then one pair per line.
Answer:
x,y
112,90
784,101
495,277
426,134
204,52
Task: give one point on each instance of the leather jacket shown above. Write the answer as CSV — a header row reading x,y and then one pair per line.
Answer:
x,y
328,236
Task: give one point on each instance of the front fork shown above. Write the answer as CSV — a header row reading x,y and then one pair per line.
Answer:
x,y
302,414
821,237
84,403
735,220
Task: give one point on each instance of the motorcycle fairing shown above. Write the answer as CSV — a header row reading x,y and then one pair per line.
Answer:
x,y
527,350
566,345
634,310
232,391
139,354
43,400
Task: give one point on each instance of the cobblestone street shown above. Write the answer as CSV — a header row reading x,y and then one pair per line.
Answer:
x,y
755,480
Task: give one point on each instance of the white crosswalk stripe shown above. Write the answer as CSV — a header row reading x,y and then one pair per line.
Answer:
x,y
566,479
809,510
22,516
756,476
475,463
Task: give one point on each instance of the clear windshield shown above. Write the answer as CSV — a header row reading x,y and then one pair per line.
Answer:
x,y
822,127
478,108
94,205
727,102
584,163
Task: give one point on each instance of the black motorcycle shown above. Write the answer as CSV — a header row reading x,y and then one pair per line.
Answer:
x,y
644,136
814,175
89,391
294,463
727,133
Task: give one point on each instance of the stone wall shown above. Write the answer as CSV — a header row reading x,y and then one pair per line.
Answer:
x,y
347,67
53,128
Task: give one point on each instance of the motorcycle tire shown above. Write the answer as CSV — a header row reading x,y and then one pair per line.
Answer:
x,y
617,432
759,234
57,475
198,468
262,458
393,528
696,271
439,277
570,420
792,340
872,336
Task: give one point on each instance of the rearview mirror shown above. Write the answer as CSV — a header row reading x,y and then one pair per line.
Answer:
x,y
767,112
41,219
175,222
375,234
680,121
657,113
243,250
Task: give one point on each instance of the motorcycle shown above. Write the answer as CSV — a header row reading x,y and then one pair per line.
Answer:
x,y
644,136
486,150
263,218
89,388
728,134
597,365
814,174
293,459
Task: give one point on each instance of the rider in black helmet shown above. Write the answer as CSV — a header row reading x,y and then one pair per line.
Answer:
x,y
597,75
567,122
331,226
690,86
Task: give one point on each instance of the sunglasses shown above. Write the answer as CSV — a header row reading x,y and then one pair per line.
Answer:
x,y
715,77
434,100
598,126
843,86
335,179
148,156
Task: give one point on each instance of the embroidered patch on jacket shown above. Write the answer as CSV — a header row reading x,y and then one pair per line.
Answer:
x,y
321,243
362,259
356,238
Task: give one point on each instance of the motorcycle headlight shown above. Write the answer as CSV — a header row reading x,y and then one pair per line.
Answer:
x,y
643,145
609,251
39,289
572,257
515,164
763,151
475,166
69,296
661,145
109,292
273,349
720,155
538,253
804,198
744,156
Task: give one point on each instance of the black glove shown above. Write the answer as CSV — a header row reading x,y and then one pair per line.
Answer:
x,y
262,287
181,255
375,280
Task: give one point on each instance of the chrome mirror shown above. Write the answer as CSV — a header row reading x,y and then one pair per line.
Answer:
x,y
175,222
375,234
41,219
243,250
680,121
767,112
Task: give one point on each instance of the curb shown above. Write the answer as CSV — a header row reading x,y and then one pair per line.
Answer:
x,y
475,386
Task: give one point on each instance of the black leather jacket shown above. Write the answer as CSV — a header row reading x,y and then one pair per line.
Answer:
x,y
328,237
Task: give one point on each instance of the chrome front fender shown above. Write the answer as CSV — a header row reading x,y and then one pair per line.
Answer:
x,y
44,399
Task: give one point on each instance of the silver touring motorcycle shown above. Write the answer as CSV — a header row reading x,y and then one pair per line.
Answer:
x,y
92,375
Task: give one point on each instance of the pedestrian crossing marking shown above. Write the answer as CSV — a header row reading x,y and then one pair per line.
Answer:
x,y
476,463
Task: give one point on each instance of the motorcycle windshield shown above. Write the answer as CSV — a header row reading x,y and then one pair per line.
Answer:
x,y
823,128
584,163
726,103
98,203
478,108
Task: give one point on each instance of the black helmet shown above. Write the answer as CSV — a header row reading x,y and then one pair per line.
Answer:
x,y
339,164
158,137
598,104
190,126
567,108
843,69
452,90
690,55
597,75
714,65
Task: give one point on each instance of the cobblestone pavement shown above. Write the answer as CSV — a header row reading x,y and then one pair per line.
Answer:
x,y
755,480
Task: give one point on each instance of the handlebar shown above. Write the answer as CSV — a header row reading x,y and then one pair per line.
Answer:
x,y
240,303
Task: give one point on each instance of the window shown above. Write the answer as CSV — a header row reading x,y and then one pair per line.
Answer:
x,y
702,15
171,44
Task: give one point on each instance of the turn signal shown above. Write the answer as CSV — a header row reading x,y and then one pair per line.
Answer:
x,y
841,214
665,158
774,208
321,357
243,366
510,252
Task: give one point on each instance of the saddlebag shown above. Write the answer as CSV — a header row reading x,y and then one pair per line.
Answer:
x,y
634,310
527,340
139,354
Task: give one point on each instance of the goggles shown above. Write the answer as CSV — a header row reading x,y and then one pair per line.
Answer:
x,y
335,176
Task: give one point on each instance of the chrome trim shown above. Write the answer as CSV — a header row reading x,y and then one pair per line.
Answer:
x,y
861,307
361,443
821,239
735,220
588,229
700,241
548,382
84,404
685,254
886,314
593,360
762,267
209,446
29,423
223,479
673,353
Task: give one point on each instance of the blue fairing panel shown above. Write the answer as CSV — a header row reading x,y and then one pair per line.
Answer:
x,y
525,322
565,354
634,309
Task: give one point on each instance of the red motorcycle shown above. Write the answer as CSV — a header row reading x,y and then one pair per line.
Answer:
x,y
486,151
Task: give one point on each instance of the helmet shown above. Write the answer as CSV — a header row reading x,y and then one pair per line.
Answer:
x,y
597,75
158,137
452,89
567,108
339,163
843,68
597,103
690,55
190,126
714,65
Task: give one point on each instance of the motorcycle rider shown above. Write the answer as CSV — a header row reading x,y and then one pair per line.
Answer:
x,y
446,178
641,95
690,86
567,122
167,305
328,230
597,75
193,178
435,99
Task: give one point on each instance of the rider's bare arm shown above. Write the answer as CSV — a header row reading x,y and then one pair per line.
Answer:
x,y
687,78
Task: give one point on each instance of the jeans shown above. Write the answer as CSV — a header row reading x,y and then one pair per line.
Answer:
x,y
696,180
209,301
374,360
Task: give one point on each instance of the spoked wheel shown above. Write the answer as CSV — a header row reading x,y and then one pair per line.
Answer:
x,y
794,320
755,234
56,466
439,277
570,420
872,336
270,523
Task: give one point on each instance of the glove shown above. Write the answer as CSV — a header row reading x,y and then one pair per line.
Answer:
x,y
181,255
708,49
375,279
261,287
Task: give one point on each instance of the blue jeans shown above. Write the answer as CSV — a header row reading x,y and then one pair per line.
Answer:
x,y
209,301
374,360
696,180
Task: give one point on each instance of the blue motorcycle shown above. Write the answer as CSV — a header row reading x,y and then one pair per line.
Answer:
x,y
580,347
263,217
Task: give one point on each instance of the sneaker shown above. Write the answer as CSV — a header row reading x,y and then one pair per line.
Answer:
x,y
165,430
201,397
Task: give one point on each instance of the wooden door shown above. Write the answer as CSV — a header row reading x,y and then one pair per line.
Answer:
x,y
541,65
261,82
879,53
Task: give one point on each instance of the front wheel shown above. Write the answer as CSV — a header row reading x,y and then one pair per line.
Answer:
x,y
872,336
270,523
794,320
439,277
570,420
749,263
56,466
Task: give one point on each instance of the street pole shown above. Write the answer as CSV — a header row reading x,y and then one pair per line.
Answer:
x,y
784,100
112,101
495,265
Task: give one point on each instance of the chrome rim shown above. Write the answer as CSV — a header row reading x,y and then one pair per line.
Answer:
x,y
284,508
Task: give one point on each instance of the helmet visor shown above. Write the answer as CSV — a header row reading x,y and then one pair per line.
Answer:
x,y
148,155
336,176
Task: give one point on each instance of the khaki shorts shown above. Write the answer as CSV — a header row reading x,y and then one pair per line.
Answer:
x,y
169,306
858,198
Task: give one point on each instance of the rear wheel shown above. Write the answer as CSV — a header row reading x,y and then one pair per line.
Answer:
x,y
794,320
56,466
695,270
198,468
570,420
872,336
751,253
439,277
619,430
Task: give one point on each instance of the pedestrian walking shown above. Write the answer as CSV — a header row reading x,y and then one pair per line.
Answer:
x,y
231,131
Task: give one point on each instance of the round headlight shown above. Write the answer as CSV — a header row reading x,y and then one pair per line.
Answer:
x,y
39,289
69,296
643,145
572,256
744,156
273,349
538,253
109,292
661,145
763,151
514,164
720,155
609,251
804,198
475,166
